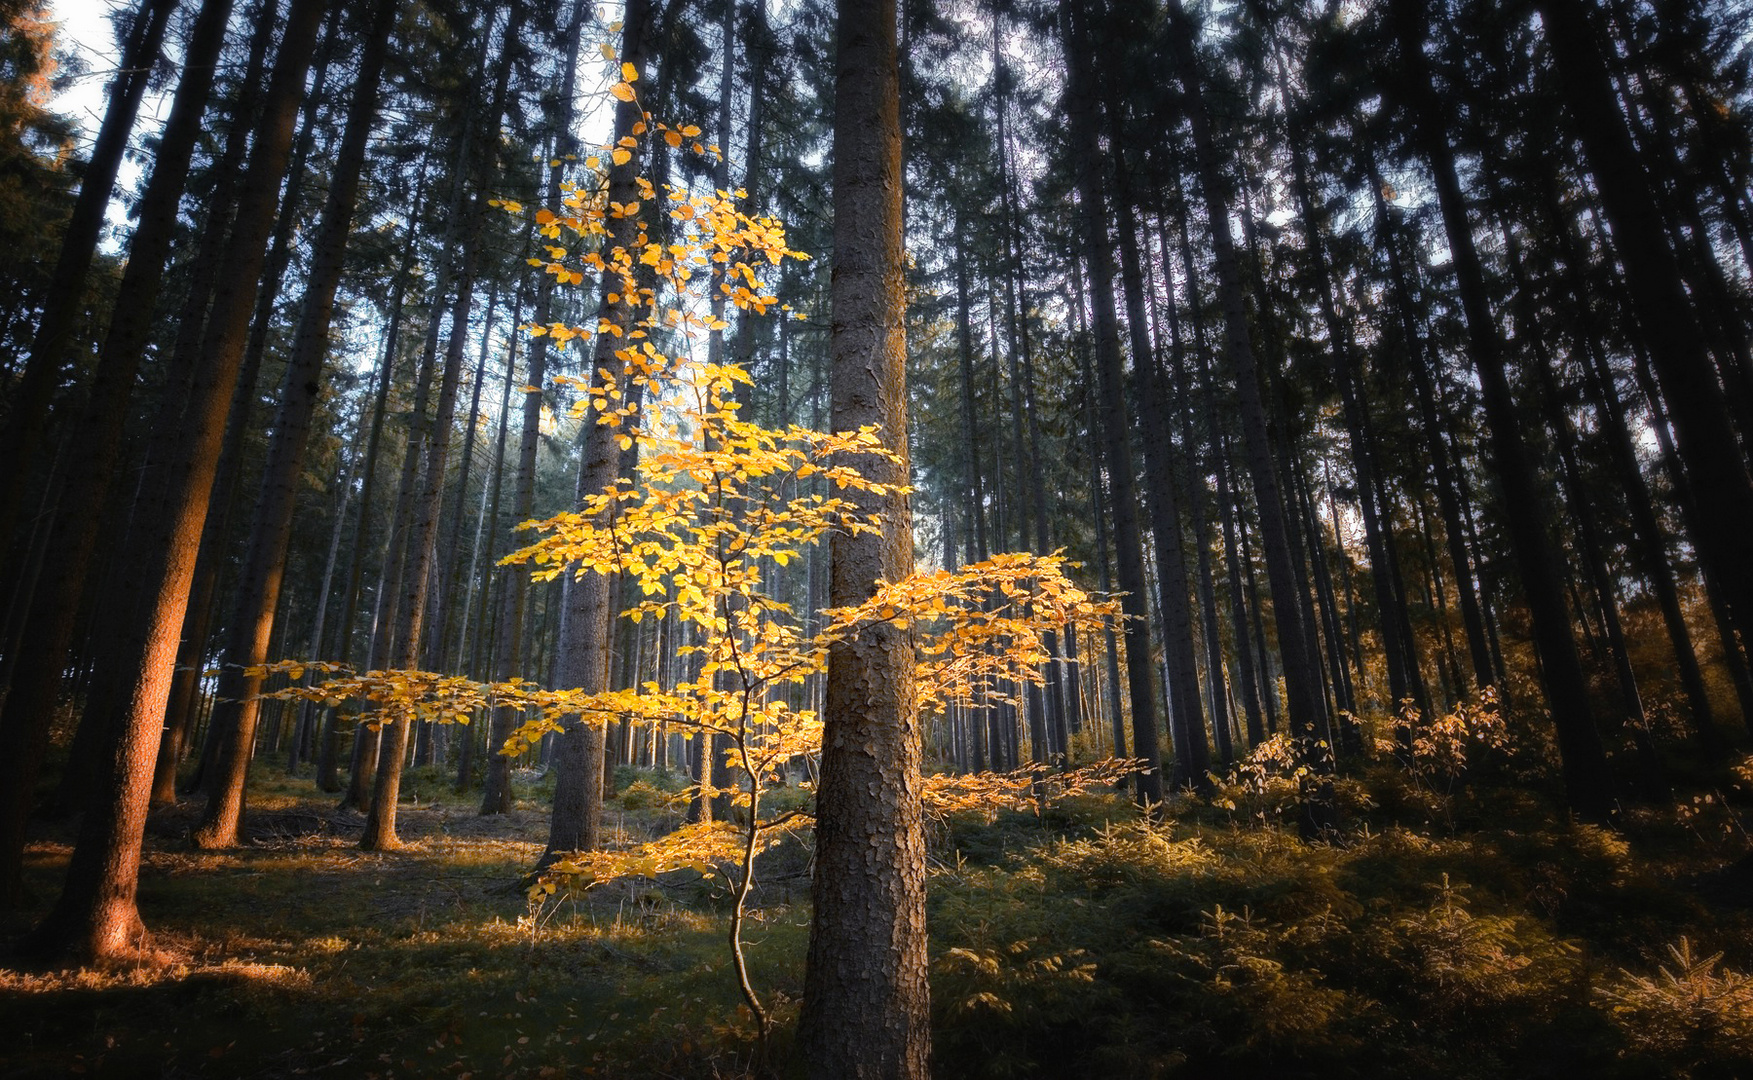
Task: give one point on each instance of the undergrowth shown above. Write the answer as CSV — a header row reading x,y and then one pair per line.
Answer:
x,y
1456,927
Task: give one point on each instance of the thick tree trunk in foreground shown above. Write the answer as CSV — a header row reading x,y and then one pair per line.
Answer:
x,y
866,998
96,448
96,917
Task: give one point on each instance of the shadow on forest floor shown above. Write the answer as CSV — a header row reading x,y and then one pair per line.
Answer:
x,y
1491,939
299,954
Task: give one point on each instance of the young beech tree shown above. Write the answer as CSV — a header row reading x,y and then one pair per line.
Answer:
x,y
717,499
693,530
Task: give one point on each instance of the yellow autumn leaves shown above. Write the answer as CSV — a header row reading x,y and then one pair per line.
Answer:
x,y
717,510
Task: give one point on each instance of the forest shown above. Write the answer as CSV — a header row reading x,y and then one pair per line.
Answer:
x,y
898,538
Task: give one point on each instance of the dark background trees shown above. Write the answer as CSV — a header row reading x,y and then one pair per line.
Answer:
x,y
1377,355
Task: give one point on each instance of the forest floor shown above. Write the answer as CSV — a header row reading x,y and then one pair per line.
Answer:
x,y
1444,934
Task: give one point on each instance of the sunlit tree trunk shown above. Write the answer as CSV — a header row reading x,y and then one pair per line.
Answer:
x,y
96,449
258,597
96,916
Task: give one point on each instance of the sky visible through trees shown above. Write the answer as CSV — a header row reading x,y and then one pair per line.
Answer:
x,y
889,482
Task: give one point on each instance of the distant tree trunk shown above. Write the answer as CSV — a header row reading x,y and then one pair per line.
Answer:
x,y
1186,709
1227,508
1110,371
1650,545
487,529
1436,445
514,598
439,654
342,485
1404,681
1584,516
1099,503
328,743
394,579
976,545
1216,695
585,620
866,997
1308,714
96,917
422,539
1588,781
253,611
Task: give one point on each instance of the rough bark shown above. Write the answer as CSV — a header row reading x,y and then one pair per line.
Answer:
x,y
866,997
96,448
96,916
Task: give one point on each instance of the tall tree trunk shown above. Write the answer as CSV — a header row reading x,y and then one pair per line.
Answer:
x,y
28,419
514,598
96,916
866,998
328,743
1649,541
1715,463
1404,681
253,611
1583,516
216,537
1111,376
1227,509
1216,694
422,536
1587,779
1099,503
585,634
1436,445
1308,714
1186,709
96,448
191,337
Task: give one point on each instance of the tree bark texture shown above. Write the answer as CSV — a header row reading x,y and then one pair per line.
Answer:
x,y
96,448
866,996
96,915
